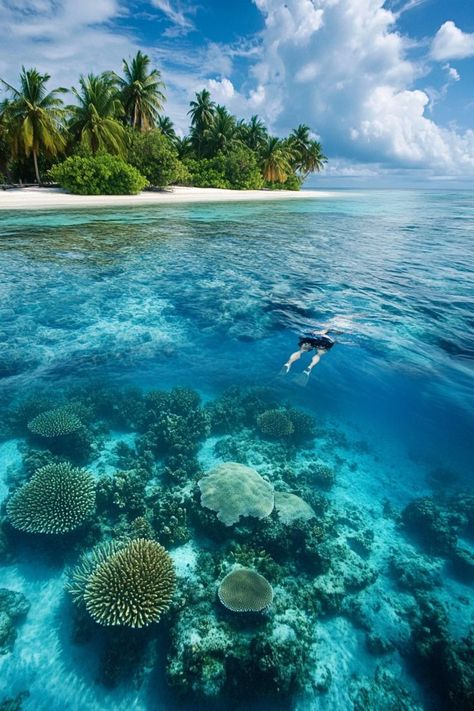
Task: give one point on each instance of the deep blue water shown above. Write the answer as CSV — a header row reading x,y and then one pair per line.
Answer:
x,y
215,295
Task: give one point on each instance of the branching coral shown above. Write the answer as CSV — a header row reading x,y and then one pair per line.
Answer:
x,y
57,499
54,423
275,424
125,583
244,590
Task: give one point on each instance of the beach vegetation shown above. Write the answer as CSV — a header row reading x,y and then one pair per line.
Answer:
x,y
141,92
122,115
155,156
32,117
102,174
95,117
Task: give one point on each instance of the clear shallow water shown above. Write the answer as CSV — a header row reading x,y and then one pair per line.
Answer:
x,y
212,296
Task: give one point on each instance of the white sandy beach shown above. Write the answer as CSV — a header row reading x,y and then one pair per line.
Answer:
x,y
43,198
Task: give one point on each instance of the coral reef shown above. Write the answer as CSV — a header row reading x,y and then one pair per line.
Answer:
x,y
126,583
57,499
234,490
13,607
245,590
448,664
275,424
383,693
54,423
320,474
291,508
432,526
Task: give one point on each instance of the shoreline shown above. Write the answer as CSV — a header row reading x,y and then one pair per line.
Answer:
x,y
54,198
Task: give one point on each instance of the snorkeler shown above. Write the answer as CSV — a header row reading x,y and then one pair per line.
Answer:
x,y
315,340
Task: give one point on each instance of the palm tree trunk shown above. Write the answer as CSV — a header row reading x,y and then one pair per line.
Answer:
x,y
35,159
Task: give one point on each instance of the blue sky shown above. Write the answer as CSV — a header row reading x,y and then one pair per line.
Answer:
x,y
388,86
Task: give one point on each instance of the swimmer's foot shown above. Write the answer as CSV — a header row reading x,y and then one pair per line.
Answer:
x,y
302,378
285,369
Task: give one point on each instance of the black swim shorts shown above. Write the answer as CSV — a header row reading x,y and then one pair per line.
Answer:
x,y
319,343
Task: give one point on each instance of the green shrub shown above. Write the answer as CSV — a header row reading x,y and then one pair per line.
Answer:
x,y
155,157
291,183
236,169
98,175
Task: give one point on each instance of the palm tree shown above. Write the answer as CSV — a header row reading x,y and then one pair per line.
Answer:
x,y
307,153
275,161
94,120
33,117
141,92
222,133
166,126
254,133
184,147
314,159
202,115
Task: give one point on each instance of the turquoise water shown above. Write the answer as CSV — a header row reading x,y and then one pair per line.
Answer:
x,y
214,296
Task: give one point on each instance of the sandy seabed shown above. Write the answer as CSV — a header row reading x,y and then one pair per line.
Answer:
x,y
43,198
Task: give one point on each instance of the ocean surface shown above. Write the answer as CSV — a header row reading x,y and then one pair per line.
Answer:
x,y
214,297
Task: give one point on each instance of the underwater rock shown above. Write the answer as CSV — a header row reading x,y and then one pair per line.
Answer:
x,y
275,424
348,573
128,583
13,607
447,663
234,490
430,525
383,693
462,560
54,423
291,508
57,499
245,590
415,571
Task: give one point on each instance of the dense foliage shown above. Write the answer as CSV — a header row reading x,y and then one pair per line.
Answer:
x,y
121,116
98,175
155,157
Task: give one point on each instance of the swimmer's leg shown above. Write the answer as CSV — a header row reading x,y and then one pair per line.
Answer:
x,y
302,378
292,359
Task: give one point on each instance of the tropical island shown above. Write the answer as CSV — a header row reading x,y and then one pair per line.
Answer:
x,y
115,139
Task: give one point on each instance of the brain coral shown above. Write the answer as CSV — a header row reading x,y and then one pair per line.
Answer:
x,y
290,508
132,586
275,424
53,423
234,490
57,499
244,590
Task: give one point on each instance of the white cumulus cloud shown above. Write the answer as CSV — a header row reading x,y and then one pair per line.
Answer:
x,y
452,43
351,79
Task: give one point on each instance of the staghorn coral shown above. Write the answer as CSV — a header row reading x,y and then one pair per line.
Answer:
x,y
234,490
275,424
127,583
54,423
57,499
245,590
291,508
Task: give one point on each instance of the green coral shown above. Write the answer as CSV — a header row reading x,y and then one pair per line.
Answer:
x,y
275,424
55,423
127,583
57,499
245,590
